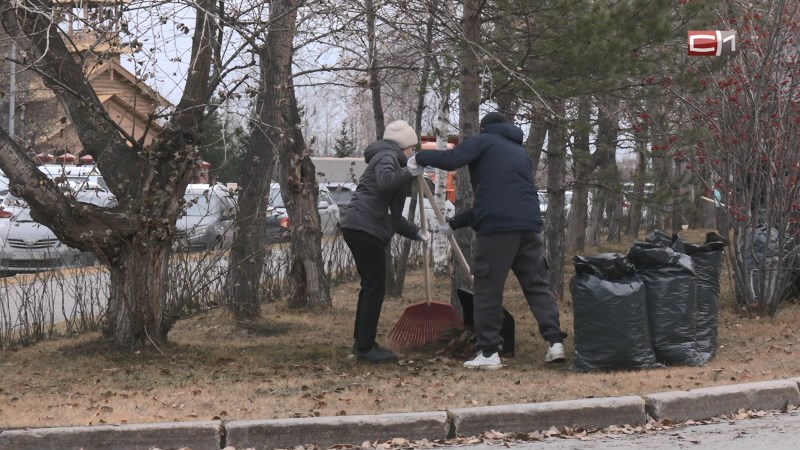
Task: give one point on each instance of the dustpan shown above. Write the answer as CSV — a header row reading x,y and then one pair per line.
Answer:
x,y
424,322
507,330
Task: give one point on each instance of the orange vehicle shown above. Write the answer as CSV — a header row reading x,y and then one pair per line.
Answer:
x,y
451,176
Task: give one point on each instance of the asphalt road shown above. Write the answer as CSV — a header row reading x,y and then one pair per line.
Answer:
x,y
778,432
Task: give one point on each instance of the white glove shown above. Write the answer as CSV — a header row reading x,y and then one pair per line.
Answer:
x,y
446,230
424,236
414,168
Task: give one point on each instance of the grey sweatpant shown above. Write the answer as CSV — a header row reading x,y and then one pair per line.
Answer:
x,y
522,252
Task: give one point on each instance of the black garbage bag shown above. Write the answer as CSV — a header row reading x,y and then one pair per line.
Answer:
x,y
708,259
756,250
671,291
674,241
611,324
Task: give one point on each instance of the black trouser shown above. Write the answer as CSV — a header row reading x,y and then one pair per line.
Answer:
x,y
369,253
522,252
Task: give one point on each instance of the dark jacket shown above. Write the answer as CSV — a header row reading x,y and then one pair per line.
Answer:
x,y
502,180
377,205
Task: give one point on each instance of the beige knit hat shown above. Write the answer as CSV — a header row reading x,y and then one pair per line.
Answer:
x,y
401,132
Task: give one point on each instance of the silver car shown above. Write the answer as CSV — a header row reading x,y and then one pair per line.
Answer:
x,y
206,221
27,246
278,222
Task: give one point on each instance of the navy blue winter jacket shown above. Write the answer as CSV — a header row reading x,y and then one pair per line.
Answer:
x,y
502,180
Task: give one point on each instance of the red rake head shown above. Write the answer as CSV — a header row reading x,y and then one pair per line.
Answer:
x,y
423,323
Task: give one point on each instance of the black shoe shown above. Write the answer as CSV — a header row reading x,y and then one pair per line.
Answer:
x,y
376,355
354,350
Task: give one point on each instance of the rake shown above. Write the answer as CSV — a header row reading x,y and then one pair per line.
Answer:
x,y
424,322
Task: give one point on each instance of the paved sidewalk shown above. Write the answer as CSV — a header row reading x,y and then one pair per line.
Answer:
x,y
676,406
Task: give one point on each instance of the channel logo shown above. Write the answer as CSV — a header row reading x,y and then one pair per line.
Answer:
x,y
712,43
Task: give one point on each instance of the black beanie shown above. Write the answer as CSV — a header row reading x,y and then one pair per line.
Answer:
x,y
492,117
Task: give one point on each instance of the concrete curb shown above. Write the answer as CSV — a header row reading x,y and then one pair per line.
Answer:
x,y
696,404
709,402
327,431
591,413
196,435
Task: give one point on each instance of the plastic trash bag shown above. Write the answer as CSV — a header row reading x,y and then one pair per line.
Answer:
x,y
756,250
671,294
674,241
611,323
708,259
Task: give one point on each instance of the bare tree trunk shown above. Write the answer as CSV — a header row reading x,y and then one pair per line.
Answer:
x,y
469,102
139,274
406,251
535,142
442,257
556,167
308,283
581,156
596,218
374,76
400,277
637,197
607,133
249,244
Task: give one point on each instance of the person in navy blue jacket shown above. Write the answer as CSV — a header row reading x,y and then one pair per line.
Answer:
x,y
507,223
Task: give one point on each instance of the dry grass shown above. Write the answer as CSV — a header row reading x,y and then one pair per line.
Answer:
x,y
293,364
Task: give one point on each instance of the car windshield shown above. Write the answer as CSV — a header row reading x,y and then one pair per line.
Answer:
x,y
197,205
275,198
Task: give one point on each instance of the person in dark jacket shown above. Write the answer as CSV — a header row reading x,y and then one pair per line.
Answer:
x,y
507,223
375,214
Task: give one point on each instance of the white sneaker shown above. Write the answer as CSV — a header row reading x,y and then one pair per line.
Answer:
x,y
555,353
486,363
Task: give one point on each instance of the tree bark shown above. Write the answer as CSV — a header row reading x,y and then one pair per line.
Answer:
x,y
250,237
138,296
535,142
581,156
308,283
373,70
607,134
636,200
400,275
556,166
469,102
442,256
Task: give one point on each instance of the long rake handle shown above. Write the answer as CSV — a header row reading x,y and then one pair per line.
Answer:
x,y
424,226
440,217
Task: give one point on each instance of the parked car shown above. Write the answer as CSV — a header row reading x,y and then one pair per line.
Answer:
x,y
83,176
207,218
342,194
28,246
278,221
